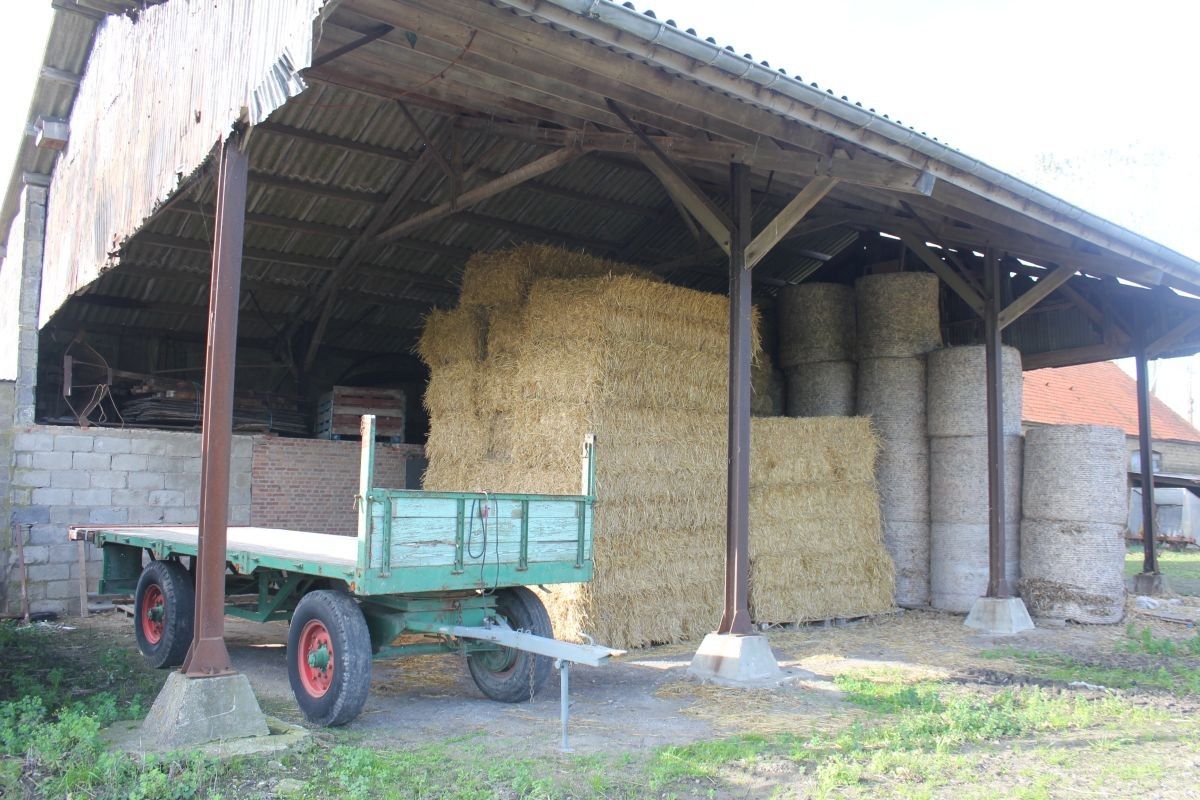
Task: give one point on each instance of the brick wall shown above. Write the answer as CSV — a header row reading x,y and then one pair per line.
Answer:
x,y
309,484
67,476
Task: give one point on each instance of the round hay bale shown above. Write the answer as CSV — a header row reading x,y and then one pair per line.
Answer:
x,y
957,392
821,389
898,315
816,323
958,559
892,392
908,545
1073,570
1076,473
958,479
902,474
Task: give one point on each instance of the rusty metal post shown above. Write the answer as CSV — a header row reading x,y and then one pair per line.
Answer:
x,y
1146,457
997,576
207,655
736,617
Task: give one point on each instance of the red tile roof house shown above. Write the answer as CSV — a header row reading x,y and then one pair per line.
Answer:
x,y
1102,394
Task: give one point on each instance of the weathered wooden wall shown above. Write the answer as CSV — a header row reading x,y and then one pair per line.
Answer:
x,y
157,94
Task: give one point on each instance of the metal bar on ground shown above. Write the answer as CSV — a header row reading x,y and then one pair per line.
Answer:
x,y
564,700
997,580
208,655
1146,457
593,655
736,616
82,552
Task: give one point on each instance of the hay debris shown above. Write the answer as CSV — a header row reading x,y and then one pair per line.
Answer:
x,y
898,315
1073,570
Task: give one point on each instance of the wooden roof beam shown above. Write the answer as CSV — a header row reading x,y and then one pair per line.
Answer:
x,y
893,177
539,166
1040,291
787,219
947,273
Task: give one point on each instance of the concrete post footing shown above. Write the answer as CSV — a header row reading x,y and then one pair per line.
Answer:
x,y
999,616
736,660
195,711
1150,583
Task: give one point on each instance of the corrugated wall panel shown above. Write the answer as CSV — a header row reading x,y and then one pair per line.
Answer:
x,y
157,95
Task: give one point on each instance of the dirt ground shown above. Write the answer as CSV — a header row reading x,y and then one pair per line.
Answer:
x,y
645,699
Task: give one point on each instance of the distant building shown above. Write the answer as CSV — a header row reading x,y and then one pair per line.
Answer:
x,y
1102,394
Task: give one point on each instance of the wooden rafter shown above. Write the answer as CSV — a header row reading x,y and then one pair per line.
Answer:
x,y
768,158
787,219
947,273
362,41
470,197
446,167
682,189
1174,336
359,249
1031,298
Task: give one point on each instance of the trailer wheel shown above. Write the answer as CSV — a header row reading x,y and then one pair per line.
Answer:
x,y
509,675
164,609
329,657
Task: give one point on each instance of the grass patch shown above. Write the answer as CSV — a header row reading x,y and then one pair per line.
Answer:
x,y
1182,568
917,735
51,716
1178,677
1144,641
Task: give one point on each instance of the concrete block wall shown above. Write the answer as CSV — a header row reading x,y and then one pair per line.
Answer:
x,y
65,476
309,484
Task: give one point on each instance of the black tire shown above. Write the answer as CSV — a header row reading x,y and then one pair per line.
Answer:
x,y
164,610
346,677
507,675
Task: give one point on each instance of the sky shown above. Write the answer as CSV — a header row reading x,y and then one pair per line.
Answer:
x,y
1093,101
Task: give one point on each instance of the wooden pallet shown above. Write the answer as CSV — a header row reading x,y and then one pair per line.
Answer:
x,y
340,411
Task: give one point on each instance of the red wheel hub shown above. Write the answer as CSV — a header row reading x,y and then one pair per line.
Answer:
x,y
154,614
315,658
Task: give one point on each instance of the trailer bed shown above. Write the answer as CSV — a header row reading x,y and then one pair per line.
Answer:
x,y
245,543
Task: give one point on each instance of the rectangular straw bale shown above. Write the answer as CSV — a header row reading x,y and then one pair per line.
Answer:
x,y
452,337
816,539
503,277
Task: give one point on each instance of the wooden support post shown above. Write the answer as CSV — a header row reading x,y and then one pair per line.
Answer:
x,y
997,578
208,655
736,616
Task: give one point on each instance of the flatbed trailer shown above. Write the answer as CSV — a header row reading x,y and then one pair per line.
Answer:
x,y
447,571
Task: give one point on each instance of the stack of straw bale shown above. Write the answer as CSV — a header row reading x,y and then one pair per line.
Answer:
x,y
641,364
958,473
817,349
767,382
540,357
1073,531
816,545
898,323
